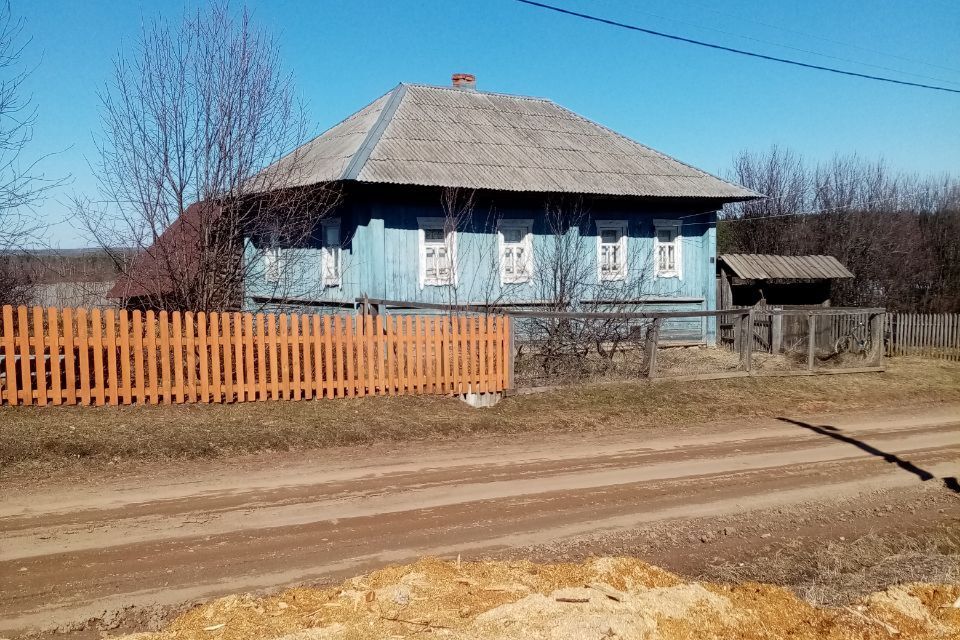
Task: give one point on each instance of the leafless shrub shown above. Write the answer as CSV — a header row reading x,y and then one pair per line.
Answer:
x,y
22,184
898,233
193,116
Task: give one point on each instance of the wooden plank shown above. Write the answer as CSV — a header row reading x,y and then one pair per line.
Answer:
x,y
311,354
203,364
462,346
337,342
811,341
152,390
293,338
190,327
234,326
83,356
389,360
440,385
215,342
323,371
39,357
229,346
469,356
53,327
405,368
273,349
99,365
444,351
166,378
179,368
492,385
653,338
99,368
381,356
138,359
369,361
507,353
349,331
9,356
256,349
110,329
126,375
420,342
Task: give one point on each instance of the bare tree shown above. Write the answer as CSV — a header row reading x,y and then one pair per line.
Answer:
x,y
190,120
898,233
22,185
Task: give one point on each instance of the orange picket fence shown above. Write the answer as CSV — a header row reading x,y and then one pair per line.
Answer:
x,y
119,357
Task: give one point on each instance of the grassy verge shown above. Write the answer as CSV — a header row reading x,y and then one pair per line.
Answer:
x,y
30,436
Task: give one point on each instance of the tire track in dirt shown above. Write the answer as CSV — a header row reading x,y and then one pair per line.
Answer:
x,y
71,557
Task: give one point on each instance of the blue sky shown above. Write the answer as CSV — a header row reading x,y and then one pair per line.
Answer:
x,y
699,105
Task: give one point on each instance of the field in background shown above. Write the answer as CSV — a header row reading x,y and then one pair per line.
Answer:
x,y
29,437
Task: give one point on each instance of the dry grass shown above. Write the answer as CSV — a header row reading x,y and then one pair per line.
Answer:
x,y
49,436
839,572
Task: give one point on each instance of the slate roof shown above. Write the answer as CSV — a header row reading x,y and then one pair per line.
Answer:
x,y
753,266
453,137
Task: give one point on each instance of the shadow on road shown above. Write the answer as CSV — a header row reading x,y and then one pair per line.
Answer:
x,y
950,483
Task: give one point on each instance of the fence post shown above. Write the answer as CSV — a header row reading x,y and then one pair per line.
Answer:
x,y
811,340
745,322
876,322
776,332
653,337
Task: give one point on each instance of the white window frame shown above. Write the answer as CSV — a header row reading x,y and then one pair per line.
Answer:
x,y
675,227
621,227
273,264
525,227
450,239
331,263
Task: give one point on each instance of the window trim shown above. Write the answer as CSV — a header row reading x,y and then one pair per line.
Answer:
x,y
623,228
450,239
336,253
525,225
676,227
273,264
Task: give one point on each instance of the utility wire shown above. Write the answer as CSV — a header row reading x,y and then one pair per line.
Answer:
x,y
740,18
792,48
742,52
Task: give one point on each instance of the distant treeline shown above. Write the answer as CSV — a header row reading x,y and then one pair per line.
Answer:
x,y
899,233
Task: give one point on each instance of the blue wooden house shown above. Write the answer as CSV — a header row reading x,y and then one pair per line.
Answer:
x,y
451,195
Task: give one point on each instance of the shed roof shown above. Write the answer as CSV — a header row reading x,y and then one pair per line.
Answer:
x,y
754,266
452,137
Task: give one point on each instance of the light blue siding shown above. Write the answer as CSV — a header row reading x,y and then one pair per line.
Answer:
x,y
380,259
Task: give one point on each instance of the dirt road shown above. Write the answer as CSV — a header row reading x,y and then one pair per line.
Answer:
x,y
72,552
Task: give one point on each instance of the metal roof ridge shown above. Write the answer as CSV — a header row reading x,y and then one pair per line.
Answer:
x,y
359,159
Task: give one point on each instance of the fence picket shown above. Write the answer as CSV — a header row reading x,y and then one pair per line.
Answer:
x,y
152,378
53,328
9,355
118,357
216,383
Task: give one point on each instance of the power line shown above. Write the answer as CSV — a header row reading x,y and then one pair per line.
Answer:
x,y
815,36
742,52
792,48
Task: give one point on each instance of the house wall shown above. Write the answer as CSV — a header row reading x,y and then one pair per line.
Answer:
x,y
380,256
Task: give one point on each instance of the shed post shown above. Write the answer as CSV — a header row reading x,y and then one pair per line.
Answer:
x,y
811,340
653,336
745,321
876,322
776,332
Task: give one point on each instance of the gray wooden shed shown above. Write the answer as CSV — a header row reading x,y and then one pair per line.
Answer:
x,y
748,279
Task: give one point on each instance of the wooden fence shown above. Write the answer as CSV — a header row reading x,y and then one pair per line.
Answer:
x,y
935,335
115,357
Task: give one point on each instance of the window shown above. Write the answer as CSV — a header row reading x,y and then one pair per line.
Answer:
x,y
273,264
666,248
612,249
331,248
516,251
438,253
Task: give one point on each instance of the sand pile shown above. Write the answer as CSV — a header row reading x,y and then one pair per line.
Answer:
x,y
603,598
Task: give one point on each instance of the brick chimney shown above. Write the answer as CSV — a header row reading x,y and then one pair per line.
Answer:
x,y
466,81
